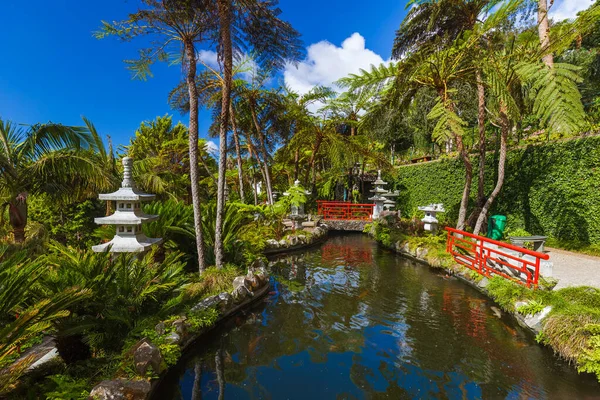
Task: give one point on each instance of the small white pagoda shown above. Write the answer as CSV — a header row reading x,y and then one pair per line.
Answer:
x,y
381,197
128,218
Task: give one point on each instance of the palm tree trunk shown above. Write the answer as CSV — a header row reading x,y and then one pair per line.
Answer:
x,y
224,7
481,127
263,149
544,31
238,152
197,386
313,158
464,202
505,127
193,145
296,164
220,369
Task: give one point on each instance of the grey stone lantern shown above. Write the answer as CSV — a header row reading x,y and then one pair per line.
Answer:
x,y
297,211
430,220
128,217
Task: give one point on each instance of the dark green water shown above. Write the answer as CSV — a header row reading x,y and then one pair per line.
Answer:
x,y
348,320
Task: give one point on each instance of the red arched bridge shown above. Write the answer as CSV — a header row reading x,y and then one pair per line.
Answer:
x,y
344,210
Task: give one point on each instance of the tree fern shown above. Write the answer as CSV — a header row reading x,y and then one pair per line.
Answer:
x,y
556,97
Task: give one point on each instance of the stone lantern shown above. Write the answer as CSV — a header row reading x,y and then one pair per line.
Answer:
x,y
381,197
430,220
297,211
128,217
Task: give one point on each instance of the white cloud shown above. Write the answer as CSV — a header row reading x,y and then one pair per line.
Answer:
x,y
211,148
326,63
568,9
209,57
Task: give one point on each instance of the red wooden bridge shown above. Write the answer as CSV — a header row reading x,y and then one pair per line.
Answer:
x,y
344,210
489,257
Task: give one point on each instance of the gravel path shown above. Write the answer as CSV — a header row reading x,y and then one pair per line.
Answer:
x,y
574,269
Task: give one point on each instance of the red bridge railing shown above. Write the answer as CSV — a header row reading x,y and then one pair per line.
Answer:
x,y
489,257
344,210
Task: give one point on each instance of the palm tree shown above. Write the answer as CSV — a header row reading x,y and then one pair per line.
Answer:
x,y
178,26
61,161
426,23
210,83
255,24
514,73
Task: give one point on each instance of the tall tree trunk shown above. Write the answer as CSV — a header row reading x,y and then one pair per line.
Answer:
x,y
481,127
238,152
296,164
224,7
312,163
254,153
464,202
193,144
544,31
265,155
17,217
504,128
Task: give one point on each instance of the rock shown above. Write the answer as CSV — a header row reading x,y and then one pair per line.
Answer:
x,y
121,389
263,275
272,243
519,304
406,248
180,326
147,355
173,337
240,281
483,282
282,243
160,328
302,239
292,241
226,301
208,302
253,281
535,321
421,252
240,294
258,264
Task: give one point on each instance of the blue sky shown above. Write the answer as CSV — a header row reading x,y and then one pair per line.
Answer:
x,y
54,70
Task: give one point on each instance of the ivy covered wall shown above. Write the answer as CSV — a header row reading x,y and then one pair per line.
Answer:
x,y
551,189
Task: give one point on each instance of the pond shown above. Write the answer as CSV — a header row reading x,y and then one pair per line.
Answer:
x,y
349,320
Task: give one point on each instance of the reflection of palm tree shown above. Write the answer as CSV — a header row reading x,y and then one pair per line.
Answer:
x,y
220,372
197,388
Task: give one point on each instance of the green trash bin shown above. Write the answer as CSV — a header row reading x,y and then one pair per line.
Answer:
x,y
496,226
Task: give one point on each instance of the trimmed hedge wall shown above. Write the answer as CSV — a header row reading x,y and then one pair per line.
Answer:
x,y
551,189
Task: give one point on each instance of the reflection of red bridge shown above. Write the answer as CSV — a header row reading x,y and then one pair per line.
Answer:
x,y
352,255
344,210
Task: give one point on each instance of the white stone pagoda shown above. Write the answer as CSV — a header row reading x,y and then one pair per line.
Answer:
x,y
381,197
128,218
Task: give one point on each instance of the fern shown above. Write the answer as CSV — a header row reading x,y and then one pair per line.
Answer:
x,y
556,98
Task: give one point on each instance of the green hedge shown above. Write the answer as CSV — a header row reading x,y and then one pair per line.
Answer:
x,y
551,189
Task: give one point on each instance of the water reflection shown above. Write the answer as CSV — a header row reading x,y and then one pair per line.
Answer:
x,y
350,321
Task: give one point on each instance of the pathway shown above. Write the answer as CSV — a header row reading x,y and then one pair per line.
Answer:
x,y
574,269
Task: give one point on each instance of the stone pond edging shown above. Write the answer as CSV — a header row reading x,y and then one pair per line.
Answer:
x,y
147,356
295,242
